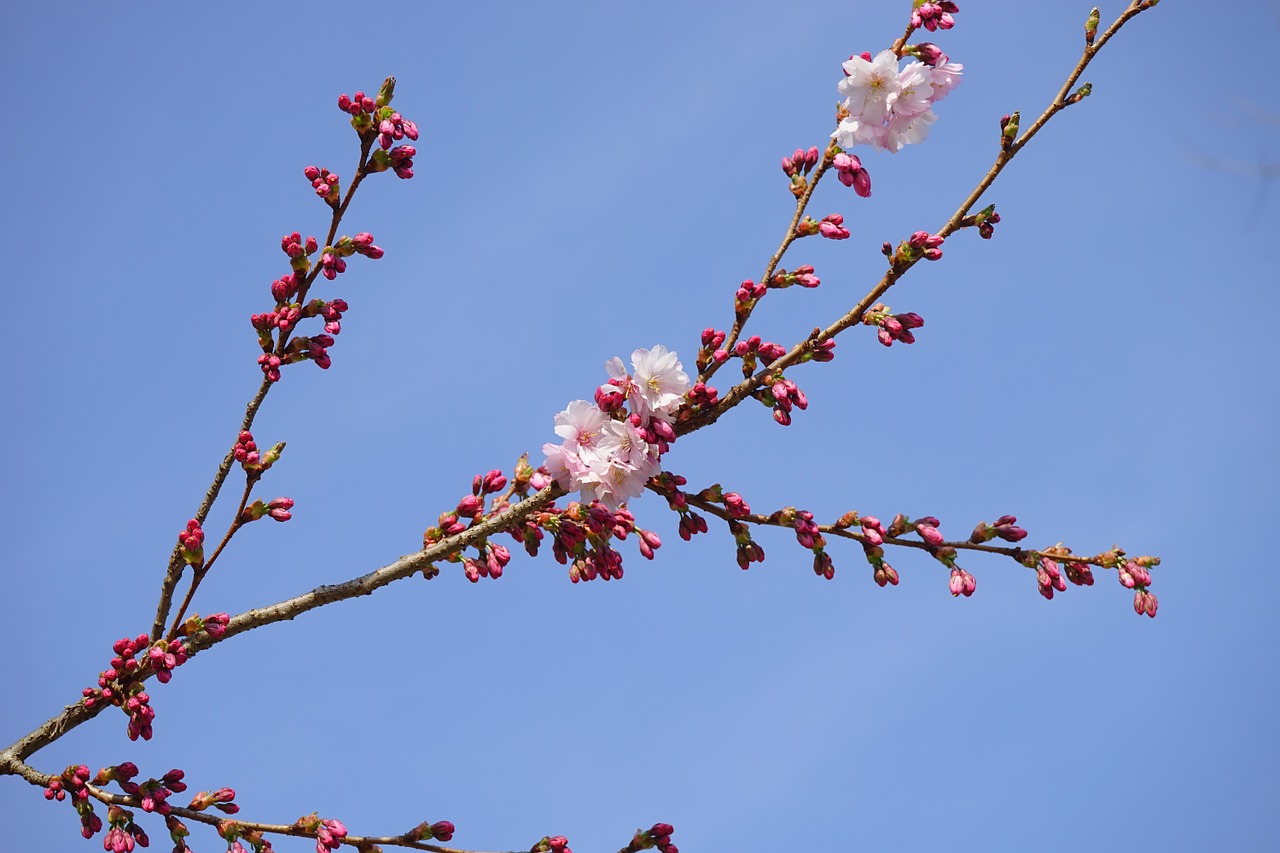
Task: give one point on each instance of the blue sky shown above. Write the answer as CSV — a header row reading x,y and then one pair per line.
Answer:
x,y
594,178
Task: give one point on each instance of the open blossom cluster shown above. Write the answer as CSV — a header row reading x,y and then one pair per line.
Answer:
x,y
889,107
611,447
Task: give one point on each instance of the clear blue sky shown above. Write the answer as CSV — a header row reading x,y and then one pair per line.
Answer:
x,y
593,178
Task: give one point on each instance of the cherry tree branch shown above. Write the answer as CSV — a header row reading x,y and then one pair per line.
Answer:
x,y
74,715
899,267
174,572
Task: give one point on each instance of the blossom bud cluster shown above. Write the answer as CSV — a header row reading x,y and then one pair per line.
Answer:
x,y
753,350
552,844
327,832
441,830
783,395
75,780
495,559
986,220
801,162
831,227
1049,578
393,128
691,523
802,275
850,172
286,315
229,830
191,544
797,166
215,625
121,683
278,510
656,837
1134,575
374,117
934,16
609,453
325,183
893,327
962,583
123,833
1005,528
220,799
882,573
255,463
889,107
746,297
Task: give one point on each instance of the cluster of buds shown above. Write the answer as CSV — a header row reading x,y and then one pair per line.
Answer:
x,y
191,544
782,395
310,348
892,327
123,833
441,830
393,128
986,219
962,583
153,794
934,16
215,626
1078,573
711,351
657,837
921,244
1005,528
882,573
121,684
551,844
285,287
398,160
1134,574
229,830
220,799
755,349
1049,578
357,105
831,226
278,509
299,249
165,656
374,117
324,182
494,559
799,164
802,275
746,297
254,462
748,551
818,351
691,523
75,780
700,395
734,503
850,172
328,833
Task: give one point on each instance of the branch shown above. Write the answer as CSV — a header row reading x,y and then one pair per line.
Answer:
x,y
898,268
406,566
